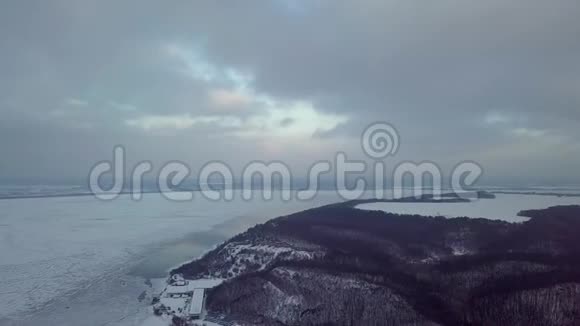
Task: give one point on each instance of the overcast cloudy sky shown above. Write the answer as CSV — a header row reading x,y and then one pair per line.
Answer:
x,y
494,81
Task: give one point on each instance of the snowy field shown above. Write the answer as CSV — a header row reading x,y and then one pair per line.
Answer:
x,y
67,258
503,207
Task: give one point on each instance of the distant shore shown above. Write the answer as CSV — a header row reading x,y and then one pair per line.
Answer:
x,y
83,194
557,194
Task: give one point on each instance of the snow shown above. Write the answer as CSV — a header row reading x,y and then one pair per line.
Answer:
x,y
197,302
187,299
205,283
51,246
191,285
174,304
156,321
235,249
64,258
459,250
178,289
207,323
239,253
503,207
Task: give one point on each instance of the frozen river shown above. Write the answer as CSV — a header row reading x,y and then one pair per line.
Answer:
x,y
504,207
65,258
81,261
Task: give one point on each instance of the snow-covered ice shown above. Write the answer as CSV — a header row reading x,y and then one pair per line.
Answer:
x,y
503,207
64,258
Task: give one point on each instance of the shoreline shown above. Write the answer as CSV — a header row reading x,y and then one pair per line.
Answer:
x,y
515,191
221,233
225,234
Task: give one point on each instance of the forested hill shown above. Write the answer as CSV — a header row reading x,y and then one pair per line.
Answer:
x,y
338,265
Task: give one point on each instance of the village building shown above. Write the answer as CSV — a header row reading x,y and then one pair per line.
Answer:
x,y
186,297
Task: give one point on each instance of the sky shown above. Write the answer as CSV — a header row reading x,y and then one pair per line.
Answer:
x,y
496,82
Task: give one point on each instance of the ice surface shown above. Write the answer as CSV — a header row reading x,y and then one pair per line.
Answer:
x,y
61,257
503,207
67,259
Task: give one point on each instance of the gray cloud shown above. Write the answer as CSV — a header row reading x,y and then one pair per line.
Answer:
x,y
75,74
